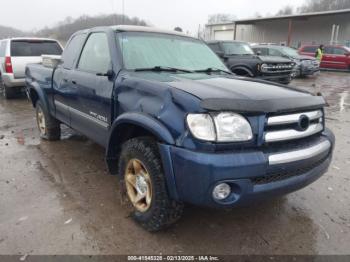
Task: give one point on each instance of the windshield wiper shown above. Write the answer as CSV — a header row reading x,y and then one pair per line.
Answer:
x,y
163,69
212,70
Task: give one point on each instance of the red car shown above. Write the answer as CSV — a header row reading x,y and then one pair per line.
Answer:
x,y
335,56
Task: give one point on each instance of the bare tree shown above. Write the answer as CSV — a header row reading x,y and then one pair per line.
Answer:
x,y
323,5
220,18
178,29
287,10
64,29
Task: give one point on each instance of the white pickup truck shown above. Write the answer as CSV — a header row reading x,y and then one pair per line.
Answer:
x,y
15,54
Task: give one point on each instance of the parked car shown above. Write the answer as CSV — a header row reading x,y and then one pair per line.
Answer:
x,y
239,57
304,65
15,54
177,126
335,56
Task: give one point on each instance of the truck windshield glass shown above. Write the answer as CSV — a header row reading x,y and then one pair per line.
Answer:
x,y
232,48
289,51
35,48
149,50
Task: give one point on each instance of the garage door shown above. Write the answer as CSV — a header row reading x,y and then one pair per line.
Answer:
x,y
224,35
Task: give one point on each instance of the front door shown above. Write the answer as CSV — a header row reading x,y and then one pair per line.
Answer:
x,y
91,111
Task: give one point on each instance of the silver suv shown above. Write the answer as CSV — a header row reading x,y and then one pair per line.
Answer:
x,y
15,54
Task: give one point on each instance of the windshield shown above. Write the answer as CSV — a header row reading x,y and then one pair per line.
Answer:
x,y
289,51
237,48
148,50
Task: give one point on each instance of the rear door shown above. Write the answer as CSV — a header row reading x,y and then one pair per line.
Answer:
x,y
64,92
91,111
328,58
339,58
24,52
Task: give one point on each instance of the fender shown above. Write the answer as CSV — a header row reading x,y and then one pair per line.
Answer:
x,y
139,119
34,87
153,126
243,68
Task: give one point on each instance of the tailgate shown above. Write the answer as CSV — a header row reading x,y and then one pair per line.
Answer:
x,y
19,64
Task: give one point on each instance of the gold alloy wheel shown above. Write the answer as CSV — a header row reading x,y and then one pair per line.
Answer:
x,y
138,185
41,121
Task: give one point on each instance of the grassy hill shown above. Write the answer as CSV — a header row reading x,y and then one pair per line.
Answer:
x,y
64,29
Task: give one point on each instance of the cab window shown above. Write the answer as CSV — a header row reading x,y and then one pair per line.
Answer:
x,y
95,56
71,52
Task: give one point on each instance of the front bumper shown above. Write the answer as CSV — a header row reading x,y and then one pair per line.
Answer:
x,y
192,176
11,81
306,70
280,78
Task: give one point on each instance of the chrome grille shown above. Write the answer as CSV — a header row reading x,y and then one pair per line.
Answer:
x,y
278,68
293,126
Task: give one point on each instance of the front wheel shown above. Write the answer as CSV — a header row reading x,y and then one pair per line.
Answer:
x,y
49,127
145,187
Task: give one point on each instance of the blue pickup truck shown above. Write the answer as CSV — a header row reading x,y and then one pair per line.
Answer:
x,y
177,126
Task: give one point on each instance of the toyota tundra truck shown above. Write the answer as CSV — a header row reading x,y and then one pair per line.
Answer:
x,y
178,127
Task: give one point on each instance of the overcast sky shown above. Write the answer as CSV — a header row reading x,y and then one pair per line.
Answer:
x,y
188,14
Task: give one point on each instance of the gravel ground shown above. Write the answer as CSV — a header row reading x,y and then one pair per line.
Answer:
x,y
57,198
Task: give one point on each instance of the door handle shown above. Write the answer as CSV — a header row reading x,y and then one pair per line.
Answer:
x,y
74,82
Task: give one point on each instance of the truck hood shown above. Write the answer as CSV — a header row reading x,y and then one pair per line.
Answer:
x,y
304,57
274,59
239,94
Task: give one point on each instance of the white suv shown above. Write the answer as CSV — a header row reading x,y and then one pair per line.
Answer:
x,y
15,54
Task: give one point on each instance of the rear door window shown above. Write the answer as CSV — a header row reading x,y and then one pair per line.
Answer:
x,y
34,48
309,49
339,51
72,51
328,50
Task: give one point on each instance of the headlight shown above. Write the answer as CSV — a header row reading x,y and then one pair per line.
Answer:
x,y
223,127
263,67
201,126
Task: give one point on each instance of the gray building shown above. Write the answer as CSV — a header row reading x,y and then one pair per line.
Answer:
x,y
294,30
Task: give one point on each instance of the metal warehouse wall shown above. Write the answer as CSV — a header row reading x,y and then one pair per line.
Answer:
x,y
310,30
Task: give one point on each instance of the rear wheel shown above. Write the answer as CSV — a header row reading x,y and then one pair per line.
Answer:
x,y
49,127
8,92
145,187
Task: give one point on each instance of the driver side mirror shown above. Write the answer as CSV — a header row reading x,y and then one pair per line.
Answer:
x,y
347,54
258,52
109,73
220,54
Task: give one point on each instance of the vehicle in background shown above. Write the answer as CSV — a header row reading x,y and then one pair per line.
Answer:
x,y
304,65
239,57
15,54
335,56
177,126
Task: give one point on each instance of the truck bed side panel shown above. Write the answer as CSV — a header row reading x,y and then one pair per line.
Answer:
x,y
39,79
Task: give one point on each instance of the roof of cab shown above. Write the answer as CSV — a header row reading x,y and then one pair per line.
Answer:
x,y
133,28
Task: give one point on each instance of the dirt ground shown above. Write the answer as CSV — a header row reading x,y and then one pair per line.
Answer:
x,y
57,198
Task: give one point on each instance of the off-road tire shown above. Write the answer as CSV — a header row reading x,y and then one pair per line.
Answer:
x,y
52,125
163,211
